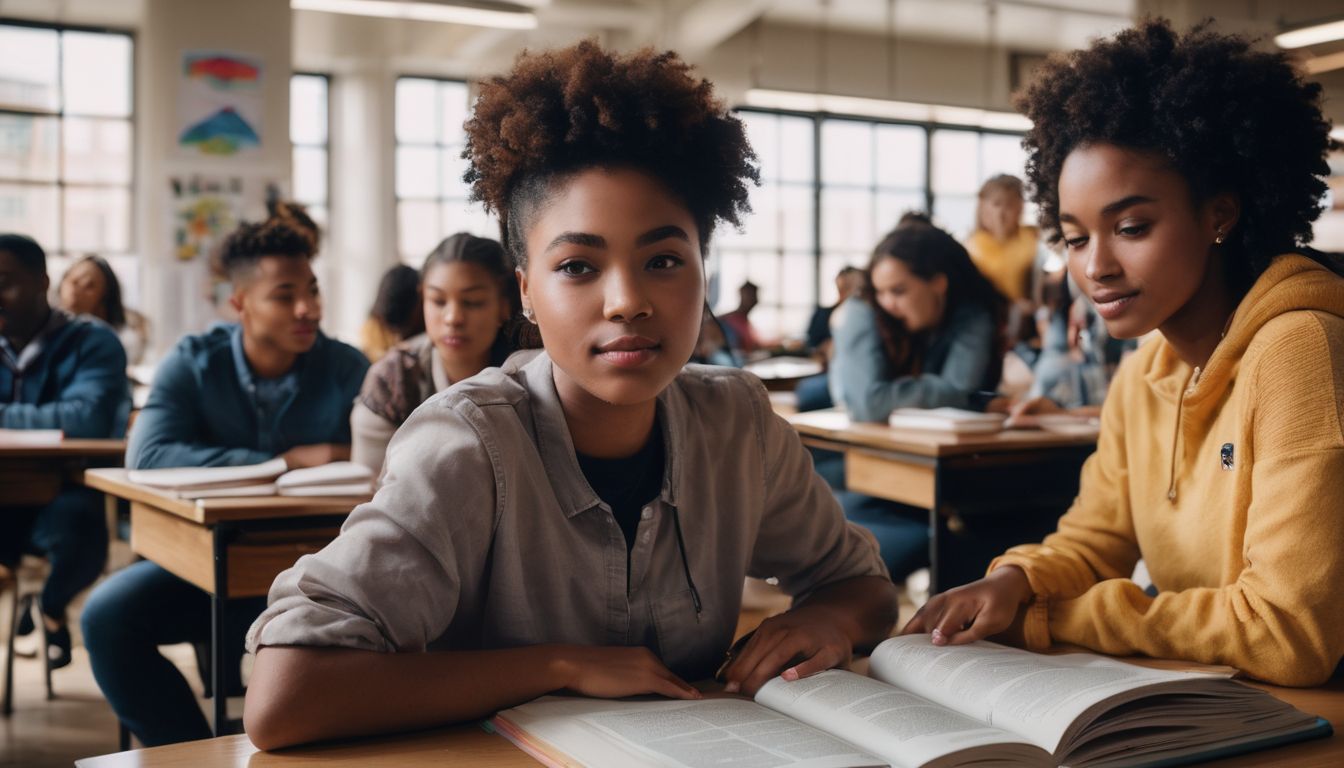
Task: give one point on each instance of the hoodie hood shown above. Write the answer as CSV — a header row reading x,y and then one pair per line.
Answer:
x,y
1292,283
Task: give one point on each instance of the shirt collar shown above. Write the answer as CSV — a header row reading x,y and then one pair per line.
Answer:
x,y
557,447
244,370
20,361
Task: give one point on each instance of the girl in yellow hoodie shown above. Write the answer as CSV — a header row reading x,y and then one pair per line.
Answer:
x,y
1182,174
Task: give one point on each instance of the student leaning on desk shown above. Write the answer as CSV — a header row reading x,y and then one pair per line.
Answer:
x,y
1182,172
237,394
583,519
60,372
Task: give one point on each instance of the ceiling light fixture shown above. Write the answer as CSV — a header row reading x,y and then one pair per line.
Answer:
x,y
1313,35
858,106
503,16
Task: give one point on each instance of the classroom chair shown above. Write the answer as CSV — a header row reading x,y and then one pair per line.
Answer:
x,y
21,598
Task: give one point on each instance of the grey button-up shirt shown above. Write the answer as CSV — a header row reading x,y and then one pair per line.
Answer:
x,y
485,534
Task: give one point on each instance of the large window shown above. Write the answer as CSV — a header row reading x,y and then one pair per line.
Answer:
x,y
431,196
831,187
309,118
66,142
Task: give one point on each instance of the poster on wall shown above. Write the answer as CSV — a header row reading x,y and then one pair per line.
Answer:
x,y
219,104
204,209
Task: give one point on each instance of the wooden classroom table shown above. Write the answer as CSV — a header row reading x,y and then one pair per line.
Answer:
x,y
227,547
33,474
952,476
782,374
471,747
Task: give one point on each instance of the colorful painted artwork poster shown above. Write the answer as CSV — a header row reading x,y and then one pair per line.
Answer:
x,y
220,104
205,210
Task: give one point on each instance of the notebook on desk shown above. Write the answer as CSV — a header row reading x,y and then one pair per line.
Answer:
x,y
341,478
955,421
30,437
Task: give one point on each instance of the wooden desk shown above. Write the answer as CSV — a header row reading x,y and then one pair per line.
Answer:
x,y
33,474
471,747
782,374
227,547
955,477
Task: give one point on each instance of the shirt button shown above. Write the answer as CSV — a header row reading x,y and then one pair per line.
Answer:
x,y
646,514
645,537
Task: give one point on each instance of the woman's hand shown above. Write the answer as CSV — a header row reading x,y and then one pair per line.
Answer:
x,y
802,642
974,611
610,673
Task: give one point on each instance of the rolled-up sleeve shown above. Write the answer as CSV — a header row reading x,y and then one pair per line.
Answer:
x,y
804,539
394,578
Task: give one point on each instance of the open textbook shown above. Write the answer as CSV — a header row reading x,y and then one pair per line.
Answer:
x,y
971,705
341,478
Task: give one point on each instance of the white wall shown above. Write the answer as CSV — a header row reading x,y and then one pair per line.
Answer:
x,y
174,291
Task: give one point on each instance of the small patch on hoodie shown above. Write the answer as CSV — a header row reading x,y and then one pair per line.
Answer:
x,y
1228,458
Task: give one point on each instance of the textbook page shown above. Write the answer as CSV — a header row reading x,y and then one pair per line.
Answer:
x,y
897,726
1035,695
678,734
335,473
190,477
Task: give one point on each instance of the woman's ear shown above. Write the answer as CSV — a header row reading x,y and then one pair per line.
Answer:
x,y
939,285
1224,212
521,274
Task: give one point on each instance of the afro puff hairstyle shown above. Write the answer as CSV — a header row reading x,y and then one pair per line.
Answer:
x,y
563,111
1228,118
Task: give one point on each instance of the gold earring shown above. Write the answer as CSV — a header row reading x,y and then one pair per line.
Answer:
x,y
1219,239
527,315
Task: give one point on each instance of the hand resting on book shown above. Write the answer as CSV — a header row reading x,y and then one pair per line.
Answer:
x,y
973,611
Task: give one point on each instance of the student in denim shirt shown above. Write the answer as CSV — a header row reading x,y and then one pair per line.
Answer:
x,y
582,520
272,385
927,332
56,372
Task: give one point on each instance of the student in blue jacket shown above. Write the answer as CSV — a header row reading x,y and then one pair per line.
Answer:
x,y
271,385
926,332
56,372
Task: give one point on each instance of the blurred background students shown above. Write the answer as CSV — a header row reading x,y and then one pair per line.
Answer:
x,y
270,385
927,331
1003,249
741,334
395,315
470,302
90,287
61,372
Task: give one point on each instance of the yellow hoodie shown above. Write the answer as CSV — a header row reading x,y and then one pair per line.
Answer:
x,y
1229,484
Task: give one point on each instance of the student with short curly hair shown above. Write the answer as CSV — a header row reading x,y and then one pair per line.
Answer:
x,y
271,385
1182,173
583,518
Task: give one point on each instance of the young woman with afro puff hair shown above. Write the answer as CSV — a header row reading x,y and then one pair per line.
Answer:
x,y
581,518
1182,173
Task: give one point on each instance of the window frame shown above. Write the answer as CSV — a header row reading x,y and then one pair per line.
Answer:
x,y
60,114
818,250
438,199
325,146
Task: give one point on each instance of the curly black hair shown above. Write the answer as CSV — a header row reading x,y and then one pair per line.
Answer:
x,y
1228,118
562,111
247,244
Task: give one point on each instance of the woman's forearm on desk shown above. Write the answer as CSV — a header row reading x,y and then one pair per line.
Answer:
x,y
300,694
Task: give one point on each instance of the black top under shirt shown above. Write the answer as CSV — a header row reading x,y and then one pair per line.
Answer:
x,y
627,484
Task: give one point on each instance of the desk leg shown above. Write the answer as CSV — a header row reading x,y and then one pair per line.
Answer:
x,y
937,532
218,620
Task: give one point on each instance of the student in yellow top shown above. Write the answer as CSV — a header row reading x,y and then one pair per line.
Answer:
x,y
1003,250
1183,175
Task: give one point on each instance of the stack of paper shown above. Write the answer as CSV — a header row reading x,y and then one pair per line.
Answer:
x,y
340,478
950,420
30,437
